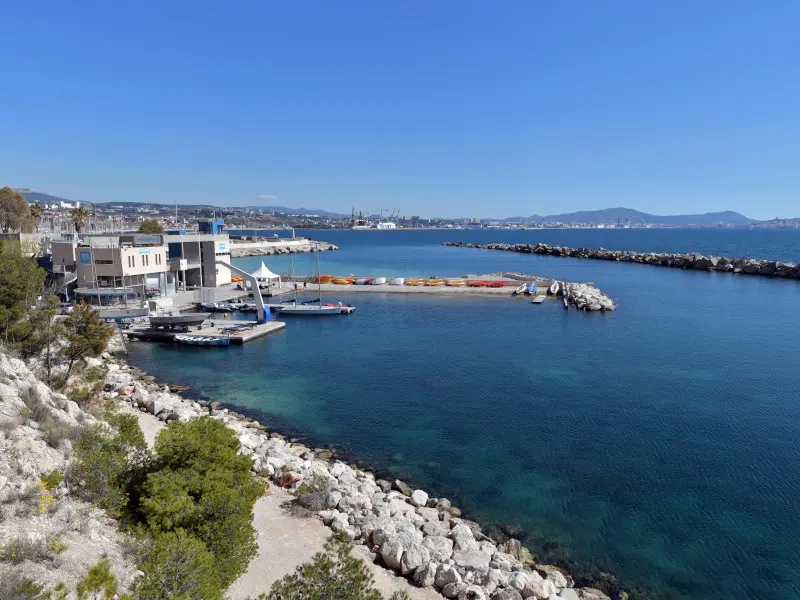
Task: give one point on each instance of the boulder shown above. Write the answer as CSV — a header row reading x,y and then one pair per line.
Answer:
x,y
591,594
463,538
506,594
452,590
538,588
472,592
391,552
569,594
472,559
414,557
401,487
419,498
445,575
441,548
426,574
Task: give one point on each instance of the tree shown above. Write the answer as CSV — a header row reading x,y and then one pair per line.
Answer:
x,y
332,574
21,282
199,483
43,334
15,214
86,335
36,213
177,566
79,216
150,226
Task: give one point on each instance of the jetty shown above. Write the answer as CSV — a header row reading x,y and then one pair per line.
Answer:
x,y
238,331
260,246
695,261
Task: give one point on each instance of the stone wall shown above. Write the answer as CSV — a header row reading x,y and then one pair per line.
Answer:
x,y
720,264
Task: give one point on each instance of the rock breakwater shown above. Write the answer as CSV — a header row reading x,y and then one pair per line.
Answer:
x,y
418,536
700,262
268,248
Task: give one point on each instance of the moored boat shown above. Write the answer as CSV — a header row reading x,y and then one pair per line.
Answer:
x,y
397,281
342,281
496,284
456,283
531,291
478,284
521,289
215,307
177,320
553,289
202,340
361,281
378,281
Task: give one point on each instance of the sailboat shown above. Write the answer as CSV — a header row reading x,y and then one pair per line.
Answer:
x,y
315,309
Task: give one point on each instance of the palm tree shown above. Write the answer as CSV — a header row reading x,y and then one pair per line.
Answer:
x,y
79,216
36,212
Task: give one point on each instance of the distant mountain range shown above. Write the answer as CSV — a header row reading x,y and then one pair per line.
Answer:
x,y
607,215
629,215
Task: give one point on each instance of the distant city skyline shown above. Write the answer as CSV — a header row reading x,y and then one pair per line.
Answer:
x,y
450,109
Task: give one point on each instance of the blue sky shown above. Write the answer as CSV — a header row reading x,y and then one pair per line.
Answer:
x,y
452,108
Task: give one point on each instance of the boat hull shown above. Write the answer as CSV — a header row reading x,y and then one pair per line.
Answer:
x,y
178,321
202,340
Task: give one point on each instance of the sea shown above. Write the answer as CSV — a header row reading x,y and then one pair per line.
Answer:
x,y
658,443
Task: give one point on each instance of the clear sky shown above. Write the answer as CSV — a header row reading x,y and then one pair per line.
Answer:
x,y
436,107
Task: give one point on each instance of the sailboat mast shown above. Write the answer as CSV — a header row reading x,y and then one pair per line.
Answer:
x,y
319,281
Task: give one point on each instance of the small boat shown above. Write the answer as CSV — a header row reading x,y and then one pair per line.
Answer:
x,y
361,281
342,281
496,284
531,291
537,300
521,289
203,340
322,278
434,282
315,309
553,289
215,307
397,281
456,283
477,284
177,320
378,281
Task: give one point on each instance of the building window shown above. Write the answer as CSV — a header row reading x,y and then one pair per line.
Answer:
x,y
103,262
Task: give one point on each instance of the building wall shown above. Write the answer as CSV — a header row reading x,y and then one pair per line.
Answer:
x,y
128,264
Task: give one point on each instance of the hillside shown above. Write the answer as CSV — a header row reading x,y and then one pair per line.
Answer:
x,y
629,215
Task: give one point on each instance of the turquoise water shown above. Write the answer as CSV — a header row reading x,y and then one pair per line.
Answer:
x,y
658,442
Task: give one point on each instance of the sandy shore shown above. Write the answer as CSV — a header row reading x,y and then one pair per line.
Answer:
x,y
285,541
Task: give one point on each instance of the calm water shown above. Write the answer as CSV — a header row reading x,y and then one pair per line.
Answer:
x,y
658,441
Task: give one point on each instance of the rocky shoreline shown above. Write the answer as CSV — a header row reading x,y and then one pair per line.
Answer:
x,y
422,538
268,248
700,262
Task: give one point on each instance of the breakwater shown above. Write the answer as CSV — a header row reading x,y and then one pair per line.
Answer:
x,y
701,262
266,247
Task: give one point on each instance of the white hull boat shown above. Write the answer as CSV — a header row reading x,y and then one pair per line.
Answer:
x,y
378,281
203,340
215,307
553,290
397,281
521,289
314,310
177,320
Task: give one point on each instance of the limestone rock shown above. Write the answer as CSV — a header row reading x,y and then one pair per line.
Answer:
x,y
472,592
414,557
419,498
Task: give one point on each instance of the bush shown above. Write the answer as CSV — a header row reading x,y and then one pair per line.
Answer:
x,y
197,482
311,495
15,586
107,461
99,583
177,566
18,550
50,481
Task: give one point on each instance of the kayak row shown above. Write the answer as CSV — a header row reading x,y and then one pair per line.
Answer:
x,y
330,279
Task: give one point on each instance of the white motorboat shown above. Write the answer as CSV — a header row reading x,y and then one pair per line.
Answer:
x,y
215,307
177,320
203,340
315,309
397,281
553,289
521,289
378,281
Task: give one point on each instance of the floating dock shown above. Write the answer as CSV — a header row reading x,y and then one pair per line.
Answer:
x,y
218,330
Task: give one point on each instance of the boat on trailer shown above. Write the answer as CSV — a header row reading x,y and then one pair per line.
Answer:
x,y
202,340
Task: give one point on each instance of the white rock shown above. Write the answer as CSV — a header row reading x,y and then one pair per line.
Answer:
x,y
446,574
414,557
441,548
392,552
472,592
419,498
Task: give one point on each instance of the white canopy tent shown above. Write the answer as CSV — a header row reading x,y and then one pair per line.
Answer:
x,y
263,273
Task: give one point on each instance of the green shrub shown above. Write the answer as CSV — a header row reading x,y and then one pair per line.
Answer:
x,y
15,586
17,550
107,461
93,374
178,566
99,583
50,481
198,482
334,573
